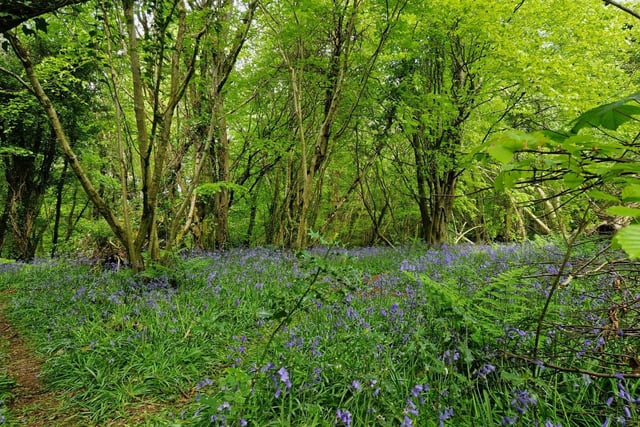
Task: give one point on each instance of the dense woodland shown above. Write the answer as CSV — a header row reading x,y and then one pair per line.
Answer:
x,y
134,129
200,141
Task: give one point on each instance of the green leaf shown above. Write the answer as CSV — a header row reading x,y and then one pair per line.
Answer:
x,y
500,153
572,180
609,116
601,195
211,188
16,151
628,239
623,211
506,179
631,193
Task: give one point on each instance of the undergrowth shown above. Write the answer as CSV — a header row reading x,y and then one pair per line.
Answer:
x,y
371,336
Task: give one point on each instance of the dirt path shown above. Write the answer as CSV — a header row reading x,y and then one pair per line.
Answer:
x,y
32,405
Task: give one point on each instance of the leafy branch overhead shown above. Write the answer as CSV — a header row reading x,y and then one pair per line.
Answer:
x,y
15,12
596,158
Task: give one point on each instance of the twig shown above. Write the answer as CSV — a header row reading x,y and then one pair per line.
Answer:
x,y
595,374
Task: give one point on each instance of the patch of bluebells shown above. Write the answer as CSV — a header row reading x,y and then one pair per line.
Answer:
x,y
281,376
522,400
444,415
413,402
343,418
627,403
485,370
390,324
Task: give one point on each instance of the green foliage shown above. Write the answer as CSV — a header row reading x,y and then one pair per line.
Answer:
x,y
609,116
629,239
208,190
586,164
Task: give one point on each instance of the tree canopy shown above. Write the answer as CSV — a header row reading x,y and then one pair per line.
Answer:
x,y
207,124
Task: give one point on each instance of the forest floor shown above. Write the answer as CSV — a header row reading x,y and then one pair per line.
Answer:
x,y
32,404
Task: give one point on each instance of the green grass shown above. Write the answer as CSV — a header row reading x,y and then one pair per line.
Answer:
x,y
372,336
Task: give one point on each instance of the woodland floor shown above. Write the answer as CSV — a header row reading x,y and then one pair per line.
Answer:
x,y
32,404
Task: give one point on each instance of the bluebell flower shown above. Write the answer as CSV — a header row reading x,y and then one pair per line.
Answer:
x,y
509,421
410,407
485,370
406,422
445,415
416,390
284,377
522,401
224,407
343,417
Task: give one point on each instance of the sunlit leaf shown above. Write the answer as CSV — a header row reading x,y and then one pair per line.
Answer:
x,y
601,195
500,153
609,116
631,193
623,211
628,239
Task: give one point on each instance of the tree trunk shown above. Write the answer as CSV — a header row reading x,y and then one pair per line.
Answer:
x,y
63,141
58,213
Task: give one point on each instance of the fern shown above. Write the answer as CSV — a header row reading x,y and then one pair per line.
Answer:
x,y
506,301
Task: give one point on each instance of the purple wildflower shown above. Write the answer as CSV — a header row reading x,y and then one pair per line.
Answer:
x,y
406,422
224,407
410,407
522,401
343,417
445,415
417,389
509,421
485,370
284,377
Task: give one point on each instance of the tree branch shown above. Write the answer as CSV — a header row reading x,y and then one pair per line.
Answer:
x,y
623,8
15,12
